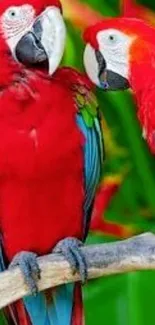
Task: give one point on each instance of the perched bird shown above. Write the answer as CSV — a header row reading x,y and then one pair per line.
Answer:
x,y
120,54
51,154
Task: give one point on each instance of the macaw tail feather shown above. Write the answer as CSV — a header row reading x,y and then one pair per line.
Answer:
x,y
77,312
61,305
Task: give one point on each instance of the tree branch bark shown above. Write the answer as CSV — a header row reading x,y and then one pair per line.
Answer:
x,y
137,253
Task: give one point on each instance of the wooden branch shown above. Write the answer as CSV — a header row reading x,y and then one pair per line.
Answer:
x,y
137,253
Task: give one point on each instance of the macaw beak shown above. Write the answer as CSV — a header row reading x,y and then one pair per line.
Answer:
x,y
45,41
100,72
108,79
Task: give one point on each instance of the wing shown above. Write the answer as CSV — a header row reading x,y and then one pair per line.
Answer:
x,y
88,120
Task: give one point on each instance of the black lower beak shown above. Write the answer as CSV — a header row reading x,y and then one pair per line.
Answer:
x,y
29,49
116,81
109,80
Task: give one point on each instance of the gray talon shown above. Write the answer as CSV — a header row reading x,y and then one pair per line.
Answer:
x,y
29,267
70,249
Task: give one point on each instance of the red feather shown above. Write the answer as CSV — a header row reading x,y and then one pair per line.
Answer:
x,y
38,5
78,312
39,169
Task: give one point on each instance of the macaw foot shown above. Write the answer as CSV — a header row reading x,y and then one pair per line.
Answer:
x,y
70,249
29,267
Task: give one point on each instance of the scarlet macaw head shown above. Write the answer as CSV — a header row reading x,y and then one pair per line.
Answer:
x,y
118,51
33,32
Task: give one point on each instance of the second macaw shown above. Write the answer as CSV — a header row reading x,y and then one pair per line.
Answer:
x,y
120,54
51,154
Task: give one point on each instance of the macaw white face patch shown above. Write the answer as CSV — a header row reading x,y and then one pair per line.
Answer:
x,y
114,46
15,22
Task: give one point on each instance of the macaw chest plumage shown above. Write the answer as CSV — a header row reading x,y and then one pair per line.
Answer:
x,y
50,161
41,169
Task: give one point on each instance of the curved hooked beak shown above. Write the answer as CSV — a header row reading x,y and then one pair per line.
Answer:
x,y
98,71
45,41
109,80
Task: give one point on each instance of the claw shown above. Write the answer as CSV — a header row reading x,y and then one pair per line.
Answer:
x,y
29,267
70,249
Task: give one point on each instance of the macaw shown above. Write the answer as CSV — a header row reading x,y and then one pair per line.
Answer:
x,y
51,155
120,54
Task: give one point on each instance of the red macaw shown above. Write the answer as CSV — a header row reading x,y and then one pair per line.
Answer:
x,y
51,152
120,53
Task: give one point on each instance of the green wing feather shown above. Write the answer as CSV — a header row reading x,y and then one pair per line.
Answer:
x,y
87,105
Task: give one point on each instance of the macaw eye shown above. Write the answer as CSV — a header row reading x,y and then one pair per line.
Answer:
x,y
112,38
12,13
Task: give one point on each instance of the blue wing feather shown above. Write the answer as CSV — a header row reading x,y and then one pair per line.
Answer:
x,y
93,159
43,312
62,300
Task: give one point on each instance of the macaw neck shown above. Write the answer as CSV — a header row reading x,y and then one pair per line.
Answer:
x,y
12,71
142,79
143,85
9,69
